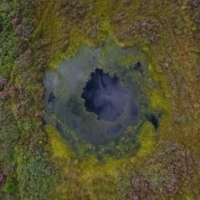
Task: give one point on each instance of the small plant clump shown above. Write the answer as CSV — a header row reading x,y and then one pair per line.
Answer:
x,y
80,14
147,28
3,81
74,10
2,178
4,93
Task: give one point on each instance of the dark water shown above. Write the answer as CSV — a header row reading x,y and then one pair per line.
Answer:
x,y
104,96
51,98
153,119
138,67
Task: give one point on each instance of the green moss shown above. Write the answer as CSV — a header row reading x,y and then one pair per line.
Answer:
x,y
190,197
10,187
57,144
147,139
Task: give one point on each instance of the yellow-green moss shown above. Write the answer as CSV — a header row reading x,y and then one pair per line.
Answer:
x,y
58,145
147,140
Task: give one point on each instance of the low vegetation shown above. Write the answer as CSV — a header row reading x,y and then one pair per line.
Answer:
x,y
35,36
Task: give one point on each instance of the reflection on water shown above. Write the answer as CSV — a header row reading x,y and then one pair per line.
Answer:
x,y
104,96
114,129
